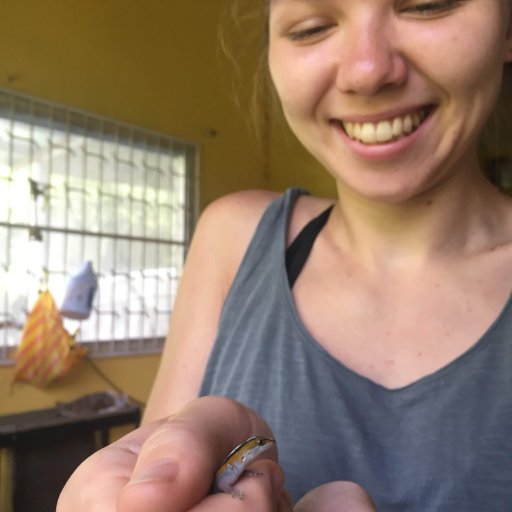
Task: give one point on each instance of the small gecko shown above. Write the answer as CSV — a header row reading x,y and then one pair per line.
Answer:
x,y
236,462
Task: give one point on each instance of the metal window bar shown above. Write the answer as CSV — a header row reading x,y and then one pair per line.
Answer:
x,y
75,187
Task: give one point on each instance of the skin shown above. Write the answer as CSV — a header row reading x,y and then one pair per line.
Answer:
x,y
419,234
168,465
371,60
336,497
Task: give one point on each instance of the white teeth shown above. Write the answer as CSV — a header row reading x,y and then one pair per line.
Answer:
x,y
384,131
357,131
368,133
398,127
408,124
349,128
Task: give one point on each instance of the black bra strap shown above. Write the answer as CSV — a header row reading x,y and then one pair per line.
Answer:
x,y
298,251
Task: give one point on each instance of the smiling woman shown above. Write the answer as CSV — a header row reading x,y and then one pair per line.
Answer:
x,y
370,335
328,60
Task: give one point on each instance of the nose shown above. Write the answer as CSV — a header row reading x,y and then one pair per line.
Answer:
x,y
370,59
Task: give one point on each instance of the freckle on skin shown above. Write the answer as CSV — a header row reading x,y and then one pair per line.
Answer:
x,y
420,354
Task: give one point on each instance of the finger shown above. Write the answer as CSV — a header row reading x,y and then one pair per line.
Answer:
x,y
177,464
95,484
261,493
336,497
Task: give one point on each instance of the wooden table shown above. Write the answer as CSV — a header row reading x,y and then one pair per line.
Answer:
x,y
47,447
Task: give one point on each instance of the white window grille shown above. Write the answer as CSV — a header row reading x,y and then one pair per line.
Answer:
x,y
76,187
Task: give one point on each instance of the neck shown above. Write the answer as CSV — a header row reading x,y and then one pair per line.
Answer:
x,y
454,219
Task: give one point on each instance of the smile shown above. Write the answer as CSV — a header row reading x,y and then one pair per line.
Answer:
x,y
387,130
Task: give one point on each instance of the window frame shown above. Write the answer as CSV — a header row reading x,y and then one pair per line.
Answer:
x,y
61,118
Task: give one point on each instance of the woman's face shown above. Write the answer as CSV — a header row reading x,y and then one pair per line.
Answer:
x,y
390,95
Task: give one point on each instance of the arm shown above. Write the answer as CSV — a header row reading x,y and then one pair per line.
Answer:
x,y
219,243
218,246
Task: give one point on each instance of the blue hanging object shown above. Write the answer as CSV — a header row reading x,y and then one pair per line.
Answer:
x,y
82,286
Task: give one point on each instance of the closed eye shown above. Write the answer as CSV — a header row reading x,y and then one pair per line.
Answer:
x,y
309,33
433,8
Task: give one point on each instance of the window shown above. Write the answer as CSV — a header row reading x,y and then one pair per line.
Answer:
x,y
77,188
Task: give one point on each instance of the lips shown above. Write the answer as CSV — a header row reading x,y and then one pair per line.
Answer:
x,y
386,130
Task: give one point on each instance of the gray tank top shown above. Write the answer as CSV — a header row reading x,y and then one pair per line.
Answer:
x,y
441,444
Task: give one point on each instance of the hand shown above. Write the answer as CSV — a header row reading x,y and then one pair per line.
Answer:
x,y
336,497
169,466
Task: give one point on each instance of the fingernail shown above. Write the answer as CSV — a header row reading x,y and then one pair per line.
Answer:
x,y
164,470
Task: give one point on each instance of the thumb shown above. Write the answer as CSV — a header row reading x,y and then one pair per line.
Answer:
x,y
177,462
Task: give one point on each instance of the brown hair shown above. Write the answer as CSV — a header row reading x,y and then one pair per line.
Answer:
x,y
244,31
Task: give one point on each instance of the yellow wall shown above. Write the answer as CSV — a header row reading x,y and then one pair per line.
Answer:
x,y
155,64
133,375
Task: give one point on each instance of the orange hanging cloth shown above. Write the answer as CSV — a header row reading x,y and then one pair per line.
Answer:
x,y
47,351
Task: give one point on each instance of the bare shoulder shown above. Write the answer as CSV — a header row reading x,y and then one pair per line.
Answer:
x,y
238,214
220,240
225,229
248,203
227,224
233,218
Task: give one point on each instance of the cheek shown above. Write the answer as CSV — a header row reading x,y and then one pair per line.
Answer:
x,y
300,82
464,62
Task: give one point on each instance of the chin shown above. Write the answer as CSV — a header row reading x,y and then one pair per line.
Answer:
x,y
386,190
